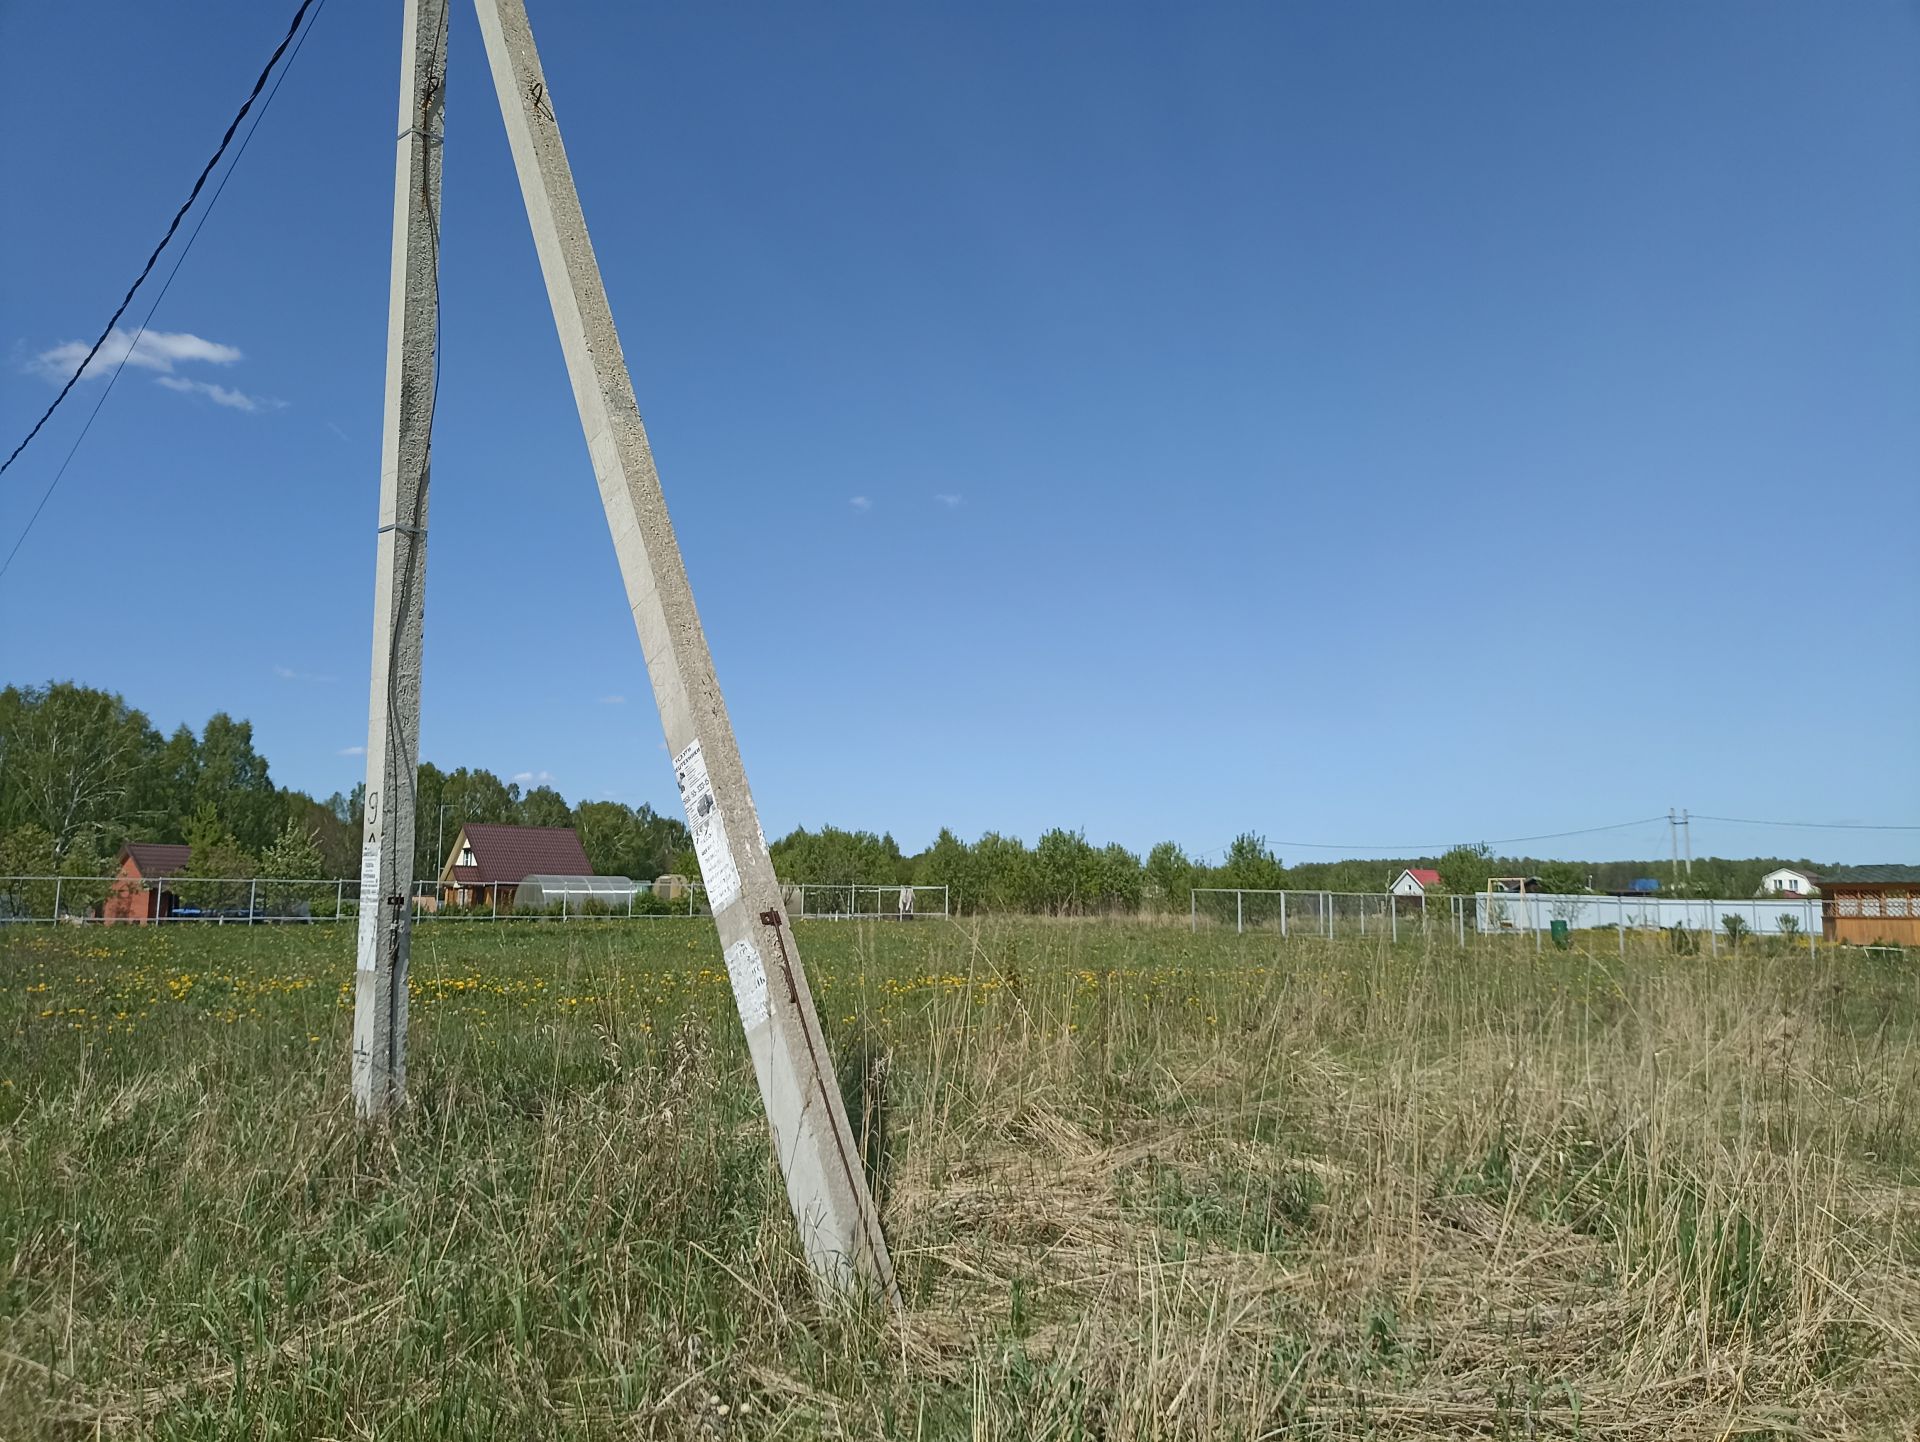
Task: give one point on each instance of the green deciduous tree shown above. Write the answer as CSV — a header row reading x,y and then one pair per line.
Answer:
x,y
1250,865
1169,877
71,759
543,806
1464,870
217,873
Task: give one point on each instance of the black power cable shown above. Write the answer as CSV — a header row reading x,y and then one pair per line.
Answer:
x,y
178,216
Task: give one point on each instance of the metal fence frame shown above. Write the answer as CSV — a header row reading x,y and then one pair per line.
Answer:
x,y
1328,914
810,901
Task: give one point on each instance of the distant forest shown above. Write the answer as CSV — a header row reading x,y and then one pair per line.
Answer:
x,y
81,772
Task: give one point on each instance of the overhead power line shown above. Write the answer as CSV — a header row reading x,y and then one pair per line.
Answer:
x,y
1428,848
1805,825
147,320
178,216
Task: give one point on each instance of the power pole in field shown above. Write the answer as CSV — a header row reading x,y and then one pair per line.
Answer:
x,y
393,720
1686,835
826,1186
1673,843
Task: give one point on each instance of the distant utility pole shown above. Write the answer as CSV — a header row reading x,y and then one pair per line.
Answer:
x,y
1686,833
393,720
839,1225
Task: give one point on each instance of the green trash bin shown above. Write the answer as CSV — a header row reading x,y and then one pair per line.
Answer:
x,y
1562,937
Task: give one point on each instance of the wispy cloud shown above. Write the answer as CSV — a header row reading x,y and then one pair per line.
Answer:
x,y
613,700
351,751
860,503
533,778
161,351
950,499
287,673
155,350
220,395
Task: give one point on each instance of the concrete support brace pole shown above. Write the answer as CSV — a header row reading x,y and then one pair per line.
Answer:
x,y
826,1186
393,720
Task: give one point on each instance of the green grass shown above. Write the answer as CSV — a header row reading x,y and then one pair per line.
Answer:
x,y
1139,1183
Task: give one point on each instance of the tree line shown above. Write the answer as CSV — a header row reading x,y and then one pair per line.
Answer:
x,y
81,772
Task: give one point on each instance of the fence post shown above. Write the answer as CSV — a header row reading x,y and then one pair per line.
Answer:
x,y
253,890
57,882
1283,916
1193,911
1393,917
493,902
1239,913
1620,922
1326,905
1363,916
1814,923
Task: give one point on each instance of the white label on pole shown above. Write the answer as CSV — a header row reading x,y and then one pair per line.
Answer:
x,y
749,977
717,870
369,905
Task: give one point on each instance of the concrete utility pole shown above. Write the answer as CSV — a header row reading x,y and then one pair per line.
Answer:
x,y
393,721
1686,834
839,1226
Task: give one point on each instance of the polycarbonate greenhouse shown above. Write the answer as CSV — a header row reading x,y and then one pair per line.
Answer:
x,y
577,893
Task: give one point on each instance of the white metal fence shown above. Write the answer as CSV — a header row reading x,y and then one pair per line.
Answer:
x,y
253,900
1332,914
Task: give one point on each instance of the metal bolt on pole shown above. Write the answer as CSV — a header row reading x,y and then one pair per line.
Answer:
x,y
838,1223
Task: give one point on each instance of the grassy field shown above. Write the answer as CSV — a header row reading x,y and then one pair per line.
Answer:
x,y
1140,1184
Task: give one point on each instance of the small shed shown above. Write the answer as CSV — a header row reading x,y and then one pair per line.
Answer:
x,y
1871,905
1415,881
139,892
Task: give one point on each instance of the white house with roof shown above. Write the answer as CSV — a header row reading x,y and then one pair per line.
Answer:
x,y
1785,881
1415,881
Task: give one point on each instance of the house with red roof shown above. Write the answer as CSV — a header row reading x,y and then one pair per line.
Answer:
x,y
139,893
1415,881
489,861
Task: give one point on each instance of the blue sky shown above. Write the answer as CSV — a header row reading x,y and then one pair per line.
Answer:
x,y
1376,424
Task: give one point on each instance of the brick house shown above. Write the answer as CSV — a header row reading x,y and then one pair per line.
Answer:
x,y
488,862
139,893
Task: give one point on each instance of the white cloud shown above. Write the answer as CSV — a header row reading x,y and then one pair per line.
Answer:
x,y
218,394
948,499
287,673
533,778
613,700
154,350
860,503
351,751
